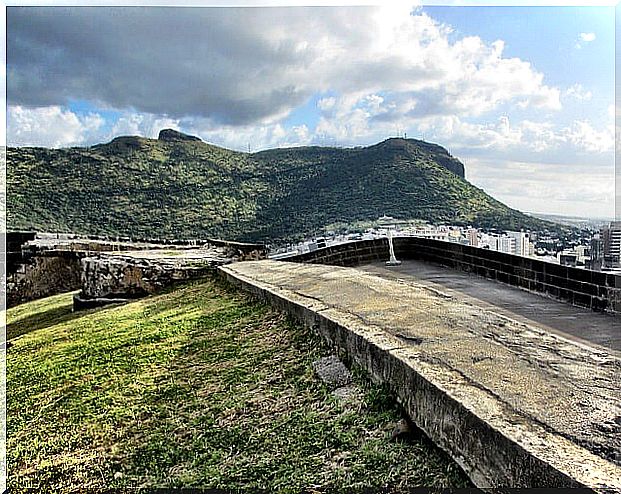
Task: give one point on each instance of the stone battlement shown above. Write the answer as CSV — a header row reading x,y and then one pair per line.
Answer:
x,y
119,276
44,264
599,291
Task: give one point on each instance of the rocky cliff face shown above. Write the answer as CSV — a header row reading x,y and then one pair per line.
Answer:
x,y
171,135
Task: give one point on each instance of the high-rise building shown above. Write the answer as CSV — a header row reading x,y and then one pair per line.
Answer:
x,y
611,239
502,244
522,243
597,252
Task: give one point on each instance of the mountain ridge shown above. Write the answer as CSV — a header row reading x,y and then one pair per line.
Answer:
x,y
180,186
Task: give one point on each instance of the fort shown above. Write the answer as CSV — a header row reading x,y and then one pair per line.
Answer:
x,y
509,364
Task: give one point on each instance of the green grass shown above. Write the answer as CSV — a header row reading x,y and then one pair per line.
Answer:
x,y
196,387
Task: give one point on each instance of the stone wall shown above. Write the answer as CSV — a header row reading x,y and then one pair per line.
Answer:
x,y
596,290
44,264
122,276
116,277
44,275
241,251
514,405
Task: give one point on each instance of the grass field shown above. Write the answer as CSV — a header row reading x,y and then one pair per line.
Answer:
x,y
196,387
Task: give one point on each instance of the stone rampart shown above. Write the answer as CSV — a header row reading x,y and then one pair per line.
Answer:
x,y
596,290
113,277
514,405
118,276
44,264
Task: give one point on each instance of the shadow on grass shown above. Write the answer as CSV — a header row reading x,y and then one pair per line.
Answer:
x,y
45,319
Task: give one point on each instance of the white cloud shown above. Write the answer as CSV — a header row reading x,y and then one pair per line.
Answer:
x,y
525,136
585,38
612,111
142,124
249,137
578,92
578,188
584,137
50,126
326,104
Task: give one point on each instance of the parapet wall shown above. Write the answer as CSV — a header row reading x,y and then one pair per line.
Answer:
x,y
596,290
118,276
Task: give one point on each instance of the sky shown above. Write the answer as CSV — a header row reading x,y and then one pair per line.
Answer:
x,y
524,96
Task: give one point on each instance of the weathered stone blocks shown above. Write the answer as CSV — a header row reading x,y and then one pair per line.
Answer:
x,y
118,276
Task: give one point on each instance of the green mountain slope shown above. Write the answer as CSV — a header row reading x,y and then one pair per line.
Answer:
x,y
179,186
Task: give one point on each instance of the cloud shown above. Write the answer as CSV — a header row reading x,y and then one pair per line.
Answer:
x,y
146,125
578,92
587,37
578,188
583,136
526,139
326,104
239,67
250,137
50,126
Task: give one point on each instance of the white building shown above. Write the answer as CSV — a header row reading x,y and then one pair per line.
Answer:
x,y
498,243
473,237
505,244
429,231
522,243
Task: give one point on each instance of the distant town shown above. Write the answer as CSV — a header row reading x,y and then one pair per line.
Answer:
x,y
598,249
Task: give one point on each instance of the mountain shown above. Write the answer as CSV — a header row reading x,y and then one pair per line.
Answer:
x,y
178,186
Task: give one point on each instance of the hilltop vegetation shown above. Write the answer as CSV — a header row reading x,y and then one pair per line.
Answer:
x,y
196,387
180,187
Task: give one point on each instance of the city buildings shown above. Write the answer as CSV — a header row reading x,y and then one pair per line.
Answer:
x,y
522,243
473,237
583,250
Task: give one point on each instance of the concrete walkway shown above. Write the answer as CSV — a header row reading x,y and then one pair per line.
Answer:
x,y
576,323
514,404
